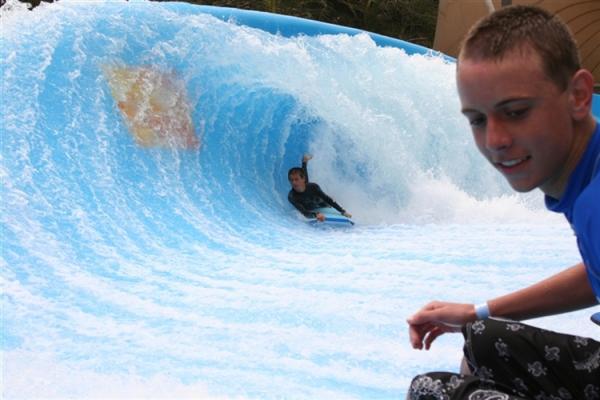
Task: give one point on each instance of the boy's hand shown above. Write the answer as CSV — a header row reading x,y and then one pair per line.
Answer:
x,y
306,157
437,318
347,214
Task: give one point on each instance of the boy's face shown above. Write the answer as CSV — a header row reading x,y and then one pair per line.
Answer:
x,y
298,182
520,120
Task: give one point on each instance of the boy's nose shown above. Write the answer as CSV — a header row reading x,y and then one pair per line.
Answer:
x,y
496,137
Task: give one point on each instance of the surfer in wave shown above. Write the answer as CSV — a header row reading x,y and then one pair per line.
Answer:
x,y
307,196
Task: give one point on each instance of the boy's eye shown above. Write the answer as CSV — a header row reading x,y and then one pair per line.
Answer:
x,y
477,121
516,113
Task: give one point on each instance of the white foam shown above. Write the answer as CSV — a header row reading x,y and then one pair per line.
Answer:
x,y
130,272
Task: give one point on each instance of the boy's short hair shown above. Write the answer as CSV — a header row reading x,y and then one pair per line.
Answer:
x,y
296,170
521,27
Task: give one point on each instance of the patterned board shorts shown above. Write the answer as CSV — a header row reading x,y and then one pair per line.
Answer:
x,y
511,360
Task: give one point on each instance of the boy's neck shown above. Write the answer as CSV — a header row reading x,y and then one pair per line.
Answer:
x,y
584,130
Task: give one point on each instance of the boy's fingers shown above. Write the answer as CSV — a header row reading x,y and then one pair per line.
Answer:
x,y
433,334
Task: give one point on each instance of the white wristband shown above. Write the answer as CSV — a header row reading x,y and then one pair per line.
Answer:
x,y
482,311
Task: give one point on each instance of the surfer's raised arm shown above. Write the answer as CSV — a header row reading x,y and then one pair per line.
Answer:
x,y
305,159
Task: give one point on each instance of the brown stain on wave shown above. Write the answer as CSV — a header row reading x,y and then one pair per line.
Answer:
x,y
155,106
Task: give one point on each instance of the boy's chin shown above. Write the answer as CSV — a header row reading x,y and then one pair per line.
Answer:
x,y
521,187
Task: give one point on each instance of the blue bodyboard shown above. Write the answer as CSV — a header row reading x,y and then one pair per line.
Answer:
x,y
332,218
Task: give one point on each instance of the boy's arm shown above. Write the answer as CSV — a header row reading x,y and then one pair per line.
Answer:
x,y
329,200
304,162
305,159
566,291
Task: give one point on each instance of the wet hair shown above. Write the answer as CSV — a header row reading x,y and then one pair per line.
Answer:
x,y
296,170
523,28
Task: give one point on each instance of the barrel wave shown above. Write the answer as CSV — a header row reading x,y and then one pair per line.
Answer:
x,y
148,247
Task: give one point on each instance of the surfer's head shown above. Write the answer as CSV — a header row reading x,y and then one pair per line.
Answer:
x,y
524,29
297,179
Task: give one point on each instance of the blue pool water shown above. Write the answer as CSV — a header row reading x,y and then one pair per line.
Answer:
x,y
133,271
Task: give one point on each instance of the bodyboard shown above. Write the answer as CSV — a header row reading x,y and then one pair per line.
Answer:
x,y
332,218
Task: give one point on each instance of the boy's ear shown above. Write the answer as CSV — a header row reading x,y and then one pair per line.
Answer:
x,y
580,99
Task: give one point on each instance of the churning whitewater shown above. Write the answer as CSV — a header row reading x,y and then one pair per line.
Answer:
x,y
148,247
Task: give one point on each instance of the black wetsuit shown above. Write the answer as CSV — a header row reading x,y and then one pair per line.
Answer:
x,y
312,198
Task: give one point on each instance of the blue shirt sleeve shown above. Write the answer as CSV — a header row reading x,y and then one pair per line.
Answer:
x,y
586,222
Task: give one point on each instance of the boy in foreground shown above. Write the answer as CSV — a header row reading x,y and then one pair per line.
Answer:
x,y
529,106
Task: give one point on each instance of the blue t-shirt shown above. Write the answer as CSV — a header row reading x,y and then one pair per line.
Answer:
x,y
581,205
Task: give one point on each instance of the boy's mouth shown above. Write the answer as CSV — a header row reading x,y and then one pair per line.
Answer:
x,y
509,165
